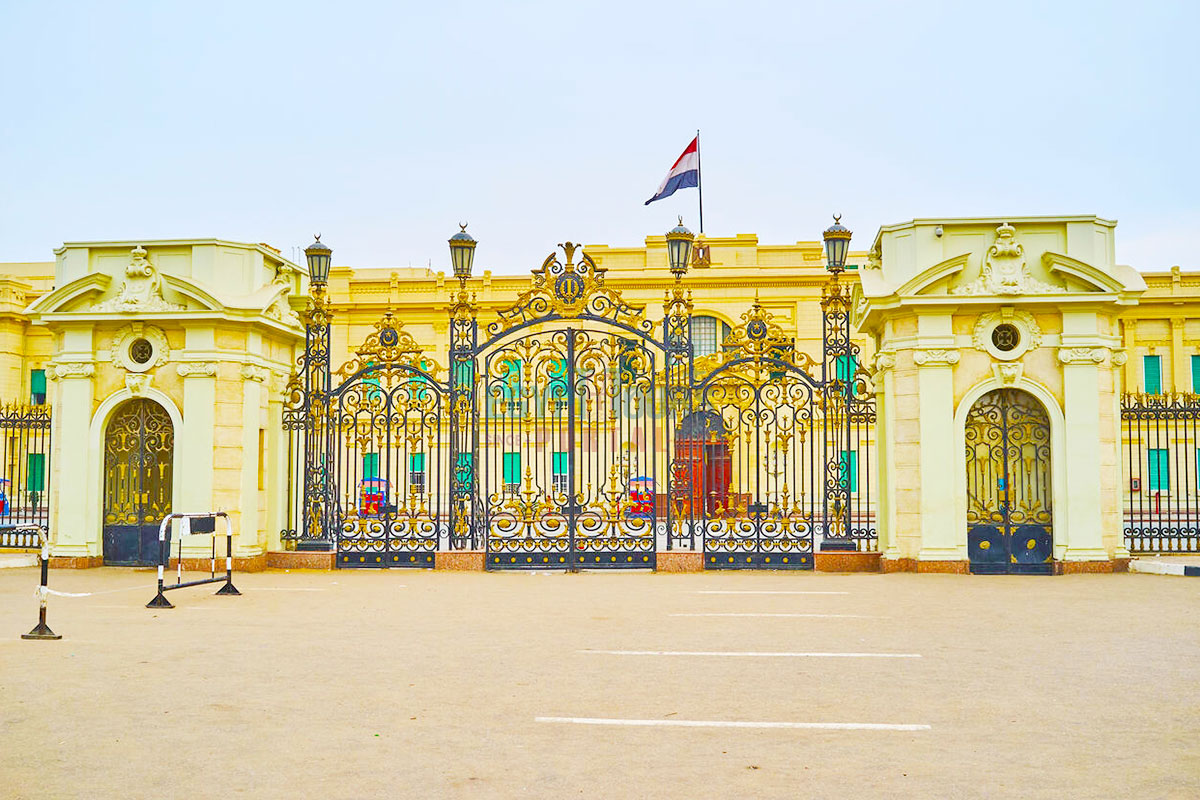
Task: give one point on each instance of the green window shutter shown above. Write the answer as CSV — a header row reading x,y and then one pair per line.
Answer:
x,y
370,465
512,467
465,470
1158,466
35,476
416,462
511,388
560,464
464,373
1152,374
37,386
1195,374
849,467
845,367
557,390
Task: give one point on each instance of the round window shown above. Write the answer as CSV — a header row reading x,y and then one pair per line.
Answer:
x,y
140,351
1006,337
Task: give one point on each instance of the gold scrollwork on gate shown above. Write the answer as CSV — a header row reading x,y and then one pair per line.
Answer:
x,y
568,290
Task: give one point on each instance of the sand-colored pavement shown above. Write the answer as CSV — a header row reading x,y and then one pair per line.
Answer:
x,y
422,684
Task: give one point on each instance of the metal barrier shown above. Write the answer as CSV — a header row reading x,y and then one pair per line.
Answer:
x,y
193,523
30,537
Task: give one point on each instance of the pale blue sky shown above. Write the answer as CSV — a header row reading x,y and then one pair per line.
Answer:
x,y
384,124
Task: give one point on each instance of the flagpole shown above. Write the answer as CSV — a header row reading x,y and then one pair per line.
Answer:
x,y
699,181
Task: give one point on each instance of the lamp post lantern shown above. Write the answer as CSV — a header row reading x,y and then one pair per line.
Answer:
x,y
679,249
837,243
462,252
319,256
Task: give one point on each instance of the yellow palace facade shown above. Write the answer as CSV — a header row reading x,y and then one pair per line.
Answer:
x,y
985,395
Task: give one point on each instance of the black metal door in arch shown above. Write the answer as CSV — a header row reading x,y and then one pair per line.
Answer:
x,y
1009,516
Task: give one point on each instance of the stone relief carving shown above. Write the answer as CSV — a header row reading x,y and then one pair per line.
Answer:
x,y
281,310
126,336
71,369
1008,372
1031,334
1082,355
885,360
137,383
196,369
935,357
142,289
1119,357
251,372
1005,270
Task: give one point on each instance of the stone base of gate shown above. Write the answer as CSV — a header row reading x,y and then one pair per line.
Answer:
x,y
834,561
298,559
459,560
1091,567
76,562
678,561
917,565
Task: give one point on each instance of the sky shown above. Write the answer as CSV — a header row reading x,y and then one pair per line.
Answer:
x,y
383,125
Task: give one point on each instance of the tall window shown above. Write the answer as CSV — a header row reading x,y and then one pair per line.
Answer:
x,y
557,392
1196,374
708,335
370,465
1158,466
36,476
512,472
1152,374
37,387
509,402
464,470
416,473
559,473
850,469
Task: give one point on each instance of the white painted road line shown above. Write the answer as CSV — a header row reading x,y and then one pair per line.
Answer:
x,y
706,653
293,589
756,591
702,723
807,615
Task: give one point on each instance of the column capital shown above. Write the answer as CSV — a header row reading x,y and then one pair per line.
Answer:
x,y
940,358
196,369
71,369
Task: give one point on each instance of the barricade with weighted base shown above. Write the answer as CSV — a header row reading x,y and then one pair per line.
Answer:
x,y
30,537
193,523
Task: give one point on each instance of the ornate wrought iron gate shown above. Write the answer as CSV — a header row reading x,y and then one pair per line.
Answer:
x,y
574,432
1008,485
387,430
569,435
139,444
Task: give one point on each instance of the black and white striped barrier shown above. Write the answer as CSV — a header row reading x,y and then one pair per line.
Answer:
x,y
33,537
193,523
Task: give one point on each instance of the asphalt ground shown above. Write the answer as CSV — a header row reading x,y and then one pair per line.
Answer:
x,y
420,684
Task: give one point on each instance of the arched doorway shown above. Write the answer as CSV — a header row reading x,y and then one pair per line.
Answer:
x,y
139,445
1009,517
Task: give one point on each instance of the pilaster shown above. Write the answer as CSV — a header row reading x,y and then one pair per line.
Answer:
x,y
74,534
249,542
935,357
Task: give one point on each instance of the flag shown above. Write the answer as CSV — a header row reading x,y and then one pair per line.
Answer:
x,y
684,173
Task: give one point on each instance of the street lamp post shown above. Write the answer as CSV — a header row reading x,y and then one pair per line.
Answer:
x,y
677,336
838,366
464,334
315,533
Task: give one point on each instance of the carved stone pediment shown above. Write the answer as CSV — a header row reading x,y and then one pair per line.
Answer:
x,y
1005,271
142,289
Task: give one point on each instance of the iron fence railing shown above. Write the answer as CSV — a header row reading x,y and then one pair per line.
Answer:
x,y
1161,462
25,437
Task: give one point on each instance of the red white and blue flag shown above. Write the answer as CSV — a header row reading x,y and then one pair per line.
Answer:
x,y
684,173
